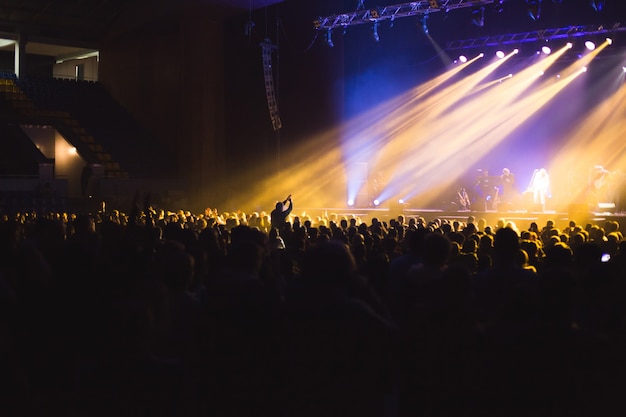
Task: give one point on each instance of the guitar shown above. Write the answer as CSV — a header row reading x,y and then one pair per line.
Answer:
x,y
464,200
601,180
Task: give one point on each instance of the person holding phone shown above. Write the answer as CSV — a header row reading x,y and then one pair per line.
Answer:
x,y
279,215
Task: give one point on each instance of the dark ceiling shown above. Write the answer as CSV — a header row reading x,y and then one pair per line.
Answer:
x,y
61,27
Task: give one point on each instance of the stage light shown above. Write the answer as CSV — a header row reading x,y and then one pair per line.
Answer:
x,y
516,51
624,69
375,32
374,14
534,9
376,202
590,45
463,59
597,5
546,50
478,16
500,54
569,45
350,203
401,201
584,69
609,41
499,6
425,23
329,38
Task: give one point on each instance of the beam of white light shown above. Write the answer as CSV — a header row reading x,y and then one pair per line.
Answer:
x,y
472,123
479,140
424,138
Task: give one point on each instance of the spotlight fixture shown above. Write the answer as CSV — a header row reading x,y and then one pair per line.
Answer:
x,y
546,50
350,203
534,9
500,54
463,59
329,38
597,5
400,201
478,16
377,202
609,41
499,6
425,23
374,14
590,45
375,32
317,23
624,69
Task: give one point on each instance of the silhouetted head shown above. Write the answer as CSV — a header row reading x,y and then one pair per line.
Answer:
x,y
330,262
436,250
506,244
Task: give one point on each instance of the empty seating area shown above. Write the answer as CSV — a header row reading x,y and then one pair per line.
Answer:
x,y
108,133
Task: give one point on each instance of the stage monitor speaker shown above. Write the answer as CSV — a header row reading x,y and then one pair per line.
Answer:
x,y
606,208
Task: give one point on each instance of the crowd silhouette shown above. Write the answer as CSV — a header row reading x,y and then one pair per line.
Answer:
x,y
157,313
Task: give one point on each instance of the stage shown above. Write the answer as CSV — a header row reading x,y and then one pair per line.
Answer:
x,y
581,214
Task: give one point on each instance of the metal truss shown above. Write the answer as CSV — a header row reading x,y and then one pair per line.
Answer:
x,y
383,13
568,32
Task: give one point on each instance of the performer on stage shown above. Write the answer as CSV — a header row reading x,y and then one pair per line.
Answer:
x,y
507,182
486,188
540,185
599,183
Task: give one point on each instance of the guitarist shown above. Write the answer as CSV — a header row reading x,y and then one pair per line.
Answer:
x,y
599,180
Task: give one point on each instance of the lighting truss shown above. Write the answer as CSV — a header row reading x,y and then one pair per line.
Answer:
x,y
568,32
382,13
